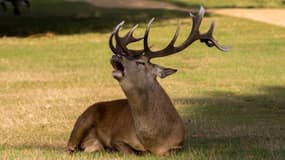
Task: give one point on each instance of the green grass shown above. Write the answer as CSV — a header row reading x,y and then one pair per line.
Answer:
x,y
232,103
229,3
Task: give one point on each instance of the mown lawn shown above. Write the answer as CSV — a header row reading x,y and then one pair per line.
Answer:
x,y
233,103
229,3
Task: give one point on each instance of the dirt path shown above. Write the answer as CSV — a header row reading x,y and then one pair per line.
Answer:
x,y
271,16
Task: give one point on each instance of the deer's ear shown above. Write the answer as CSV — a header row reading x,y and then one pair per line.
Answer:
x,y
163,72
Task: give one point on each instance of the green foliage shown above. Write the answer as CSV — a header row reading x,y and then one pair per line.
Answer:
x,y
232,103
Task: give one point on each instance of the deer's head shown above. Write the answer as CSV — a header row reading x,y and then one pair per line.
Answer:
x,y
133,67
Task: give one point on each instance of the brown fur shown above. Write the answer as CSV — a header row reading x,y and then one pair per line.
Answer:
x,y
105,125
146,121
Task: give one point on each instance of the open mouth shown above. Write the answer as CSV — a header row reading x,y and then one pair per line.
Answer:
x,y
117,65
118,71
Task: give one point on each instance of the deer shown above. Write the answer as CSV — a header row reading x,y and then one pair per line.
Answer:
x,y
147,120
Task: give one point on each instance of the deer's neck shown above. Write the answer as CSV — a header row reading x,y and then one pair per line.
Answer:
x,y
151,108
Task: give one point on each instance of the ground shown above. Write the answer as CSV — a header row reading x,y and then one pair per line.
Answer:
x,y
54,63
271,16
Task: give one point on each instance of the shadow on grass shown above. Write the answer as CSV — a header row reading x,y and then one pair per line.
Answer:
x,y
237,125
270,99
61,17
241,147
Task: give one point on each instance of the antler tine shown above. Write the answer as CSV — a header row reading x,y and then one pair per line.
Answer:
x,y
146,34
169,49
130,35
210,41
113,48
172,42
196,22
122,42
207,37
192,37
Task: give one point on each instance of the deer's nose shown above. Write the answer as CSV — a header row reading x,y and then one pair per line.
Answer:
x,y
116,58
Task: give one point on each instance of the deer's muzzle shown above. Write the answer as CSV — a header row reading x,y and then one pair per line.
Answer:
x,y
116,62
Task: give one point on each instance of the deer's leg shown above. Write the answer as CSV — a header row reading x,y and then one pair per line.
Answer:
x,y
81,128
91,143
122,147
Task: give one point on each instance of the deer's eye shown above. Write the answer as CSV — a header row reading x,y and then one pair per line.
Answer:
x,y
140,63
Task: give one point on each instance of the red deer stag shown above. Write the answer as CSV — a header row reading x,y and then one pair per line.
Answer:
x,y
147,120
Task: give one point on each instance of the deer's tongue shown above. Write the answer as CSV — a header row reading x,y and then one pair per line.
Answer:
x,y
117,74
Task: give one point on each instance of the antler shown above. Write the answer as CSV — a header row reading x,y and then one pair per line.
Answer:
x,y
194,35
122,42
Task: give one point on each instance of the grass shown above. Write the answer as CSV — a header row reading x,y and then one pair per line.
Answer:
x,y
229,3
232,103
73,17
